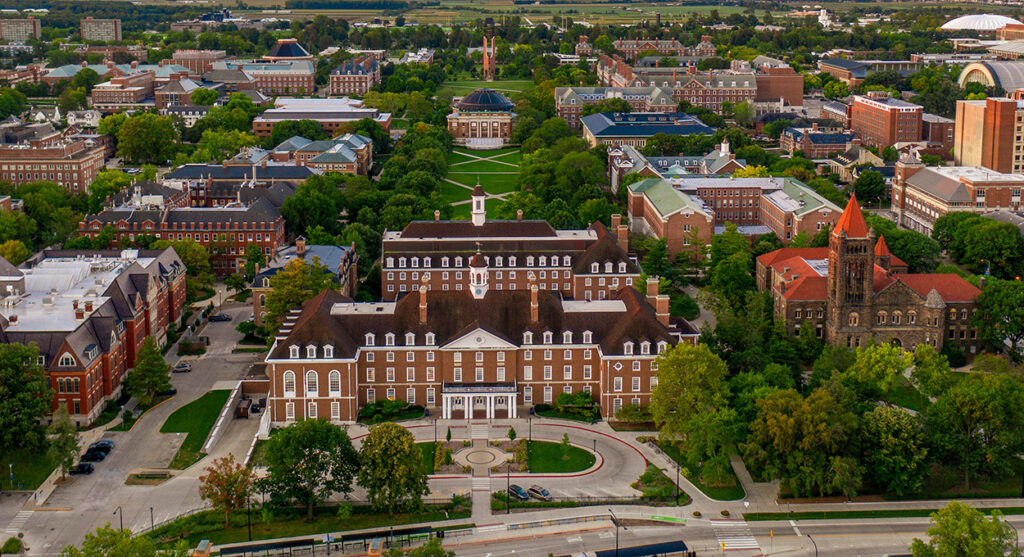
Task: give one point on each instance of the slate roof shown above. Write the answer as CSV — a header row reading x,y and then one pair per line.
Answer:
x,y
485,100
288,48
819,137
644,124
221,172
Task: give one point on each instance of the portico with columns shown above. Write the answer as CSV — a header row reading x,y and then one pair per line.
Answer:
x,y
469,397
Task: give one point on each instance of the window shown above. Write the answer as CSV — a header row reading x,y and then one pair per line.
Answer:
x,y
617,384
410,339
410,395
567,389
66,360
328,351
636,384
458,374
370,356
369,339
645,347
567,337
911,317
430,395
567,373
430,340
311,351
390,393
501,355
662,346
636,365
289,410
547,394
289,383
389,356
370,375
457,357
293,352
547,373
527,338
588,337
566,354
628,348
528,395
311,413
371,395
654,383
479,356
410,374
389,339
881,317
311,382
854,319
548,337
334,382
390,374
335,411
527,355
547,354
479,374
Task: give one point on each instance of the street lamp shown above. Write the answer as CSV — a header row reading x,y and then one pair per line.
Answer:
x,y
248,520
120,512
615,521
152,526
508,488
10,466
815,545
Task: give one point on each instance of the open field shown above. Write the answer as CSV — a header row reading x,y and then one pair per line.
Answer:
x,y
465,87
492,183
462,211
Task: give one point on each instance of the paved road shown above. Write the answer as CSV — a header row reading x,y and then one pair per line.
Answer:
x,y
91,501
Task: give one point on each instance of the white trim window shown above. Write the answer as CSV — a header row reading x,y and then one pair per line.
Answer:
x,y
431,400
289,383
548,394
335,411
289,410
311,411
334,383
312,382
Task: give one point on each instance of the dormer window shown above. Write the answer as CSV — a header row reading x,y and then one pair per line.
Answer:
x,y
529,261
266,283
293,352
567,337
458,261
588,337
416,262
444,261
431,339
370,339
662,347
595,267
311,351
548,337
401,262
528,337
543,261
498,261
66,360
410,339
328,351
511,261
565,260
628,347
622,266
645,347
608,267
390,262
389,339
426,262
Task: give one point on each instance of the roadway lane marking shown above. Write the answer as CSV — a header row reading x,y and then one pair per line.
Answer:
x,y
795,529
605,535
734,535
574,539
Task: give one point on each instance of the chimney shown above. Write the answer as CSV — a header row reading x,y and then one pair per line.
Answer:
x,y
79,314
74,304
534,304
88,305
424,286
652,289
661,309
12,319
616,221
519,214
437,214
300,246
622,236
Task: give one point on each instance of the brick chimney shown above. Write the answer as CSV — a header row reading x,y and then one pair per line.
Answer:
x,y
79,314
661,309
616,221
12,319
622,236
652,289
534,303
88,305
424,286
74,304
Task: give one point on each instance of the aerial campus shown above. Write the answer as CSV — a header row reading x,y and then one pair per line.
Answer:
x,y
449,278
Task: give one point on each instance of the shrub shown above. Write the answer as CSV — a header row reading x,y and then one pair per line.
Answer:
x,y
345,511
633,414
12,545
956,356
388,410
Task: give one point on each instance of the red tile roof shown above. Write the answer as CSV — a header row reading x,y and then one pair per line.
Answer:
x,y
807,289
852,221
952,288
882,249
769,259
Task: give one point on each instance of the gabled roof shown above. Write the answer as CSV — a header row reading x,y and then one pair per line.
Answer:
x,y
852,221
882,250
952,287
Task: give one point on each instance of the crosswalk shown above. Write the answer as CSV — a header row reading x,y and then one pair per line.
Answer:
x,y
479,431
734,535
19,520
481,483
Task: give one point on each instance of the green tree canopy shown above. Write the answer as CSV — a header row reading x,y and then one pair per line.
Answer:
x,y
151,374
391,469
26,397
961,531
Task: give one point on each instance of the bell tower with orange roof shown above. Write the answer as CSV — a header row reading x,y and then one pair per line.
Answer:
x,y
851,265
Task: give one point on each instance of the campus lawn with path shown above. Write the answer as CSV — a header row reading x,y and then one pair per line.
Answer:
x,y
428,456
493,184
453,193
473,154
483,166
510,157
731,492
195,419
462,212
547,458
31,468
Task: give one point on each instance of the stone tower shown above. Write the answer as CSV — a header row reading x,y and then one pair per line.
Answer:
x,y
488,60
851,265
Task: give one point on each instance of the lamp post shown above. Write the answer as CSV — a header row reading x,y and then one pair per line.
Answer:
x,y
615,521
815,545
152,525
677,481
10,466
508,487
120,512
248,520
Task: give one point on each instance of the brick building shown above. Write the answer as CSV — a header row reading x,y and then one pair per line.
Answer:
x,y
355,76
814,142
88,312
635,128
20,30
225,231
883,121
123,92
198,62
350,153
341,263
855,291
628,160
483,353
569,101
708,90
105,30
71,163
853,72
920,194
274,78
632,48
688,212
481,120
580,264
986,134
331,113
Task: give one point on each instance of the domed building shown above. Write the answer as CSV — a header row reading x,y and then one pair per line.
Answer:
x,y
482,120
982,23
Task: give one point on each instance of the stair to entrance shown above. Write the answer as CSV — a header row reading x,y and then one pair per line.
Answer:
x,y
479,431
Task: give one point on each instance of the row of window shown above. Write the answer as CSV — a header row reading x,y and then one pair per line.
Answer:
x,y
498,261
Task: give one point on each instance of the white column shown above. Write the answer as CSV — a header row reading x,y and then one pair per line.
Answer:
x,y
468,407
490,406
511,406
444,407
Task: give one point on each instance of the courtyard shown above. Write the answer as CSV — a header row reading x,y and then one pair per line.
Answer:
x,y
496,171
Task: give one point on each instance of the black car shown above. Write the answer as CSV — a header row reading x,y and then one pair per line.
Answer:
x,y
102,446
220,317
169,392
93,455
81,469
518,493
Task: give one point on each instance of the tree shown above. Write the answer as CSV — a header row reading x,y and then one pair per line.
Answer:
x,y
235,281
63,447
308,462
85,79
111,125
26,397
108,542
204,97
297,282
869,186
511,433
836,90
895,452
691,380
14,251
751,172
254,260
1000,315
151,374
391,468
743,112
564,445
147,138
961,531
72,99
931,374
430,549
877,368
607,105
227,485
12,102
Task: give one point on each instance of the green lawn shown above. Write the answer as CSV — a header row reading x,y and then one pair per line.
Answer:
x,y
655,484
462,88
904,394
510,157
195,419
483,154
548,457
730,492
461,212
209,525
31,468
945,482
428,456
455,157
493,184
453,193
483,166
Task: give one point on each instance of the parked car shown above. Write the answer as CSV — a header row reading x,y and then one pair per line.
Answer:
x,y
538,492
220,317
182,367
93,455
518,493
81,469
102,446
169,392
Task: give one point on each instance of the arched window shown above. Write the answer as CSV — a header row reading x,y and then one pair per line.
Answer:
x,y
416,262
622,266
645,347
266,283
896,317
311,351
389,339
527,337
911,317
293,351
444,261
588,337
389,262
458,261
608,266
511,261
543,261
426,262
548,337
289,383
854,319
662,346
334,382
628,347
431,339
369,339
882,317
312,383
263,299
595,267
66,360
328,351
410,339
529,261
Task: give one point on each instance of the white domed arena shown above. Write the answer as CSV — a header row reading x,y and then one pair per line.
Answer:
x,y
979,22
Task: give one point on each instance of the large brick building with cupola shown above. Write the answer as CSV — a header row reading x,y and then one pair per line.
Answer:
x,y
855,291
